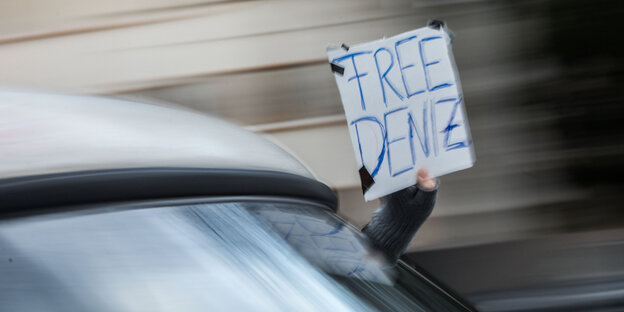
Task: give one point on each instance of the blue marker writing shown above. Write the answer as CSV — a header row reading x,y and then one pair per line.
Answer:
x,y
428,63
380,157
391,141
452,125
357,75
383,76
404,67
424,138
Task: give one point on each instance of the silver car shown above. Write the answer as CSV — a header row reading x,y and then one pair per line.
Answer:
x,y
112,205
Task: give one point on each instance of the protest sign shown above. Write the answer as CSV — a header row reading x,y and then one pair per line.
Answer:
x,y
404,108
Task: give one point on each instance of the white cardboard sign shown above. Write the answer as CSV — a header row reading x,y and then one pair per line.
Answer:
x,y
404,107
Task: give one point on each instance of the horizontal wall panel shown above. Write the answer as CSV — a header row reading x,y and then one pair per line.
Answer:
x,y
227,38
258,97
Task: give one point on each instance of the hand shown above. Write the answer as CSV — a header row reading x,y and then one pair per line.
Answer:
x,y
425,180
393,226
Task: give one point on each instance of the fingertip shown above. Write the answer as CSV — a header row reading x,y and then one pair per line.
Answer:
x,y
425,180
429,184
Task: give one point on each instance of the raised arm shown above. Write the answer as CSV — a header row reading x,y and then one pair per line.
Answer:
x,y
401,214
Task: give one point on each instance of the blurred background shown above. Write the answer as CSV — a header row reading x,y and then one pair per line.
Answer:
x,y
539,215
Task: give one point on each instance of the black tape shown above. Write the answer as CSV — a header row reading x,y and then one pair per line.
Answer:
x,y
435,24
440,25
337,69
366,179
344,46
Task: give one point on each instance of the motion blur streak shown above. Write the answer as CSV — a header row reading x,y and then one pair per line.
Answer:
x,y
217,257
540,214
569,255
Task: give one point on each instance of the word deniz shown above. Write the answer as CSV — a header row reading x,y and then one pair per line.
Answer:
x,y
404,108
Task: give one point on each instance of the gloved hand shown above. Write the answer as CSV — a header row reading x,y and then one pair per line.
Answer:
x,y
401,214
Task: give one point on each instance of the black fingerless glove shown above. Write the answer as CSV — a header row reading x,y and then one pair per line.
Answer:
x,y
401,214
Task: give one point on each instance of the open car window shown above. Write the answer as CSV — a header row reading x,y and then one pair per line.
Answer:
x,y
260,256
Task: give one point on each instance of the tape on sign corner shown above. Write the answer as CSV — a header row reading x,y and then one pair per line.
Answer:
x,y
436,24
335,68
366,179
440,25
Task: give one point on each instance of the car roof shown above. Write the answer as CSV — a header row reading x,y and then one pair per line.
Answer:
x,y
42,133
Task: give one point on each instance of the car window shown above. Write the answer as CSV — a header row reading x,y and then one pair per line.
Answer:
x,y
346,254
234,256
